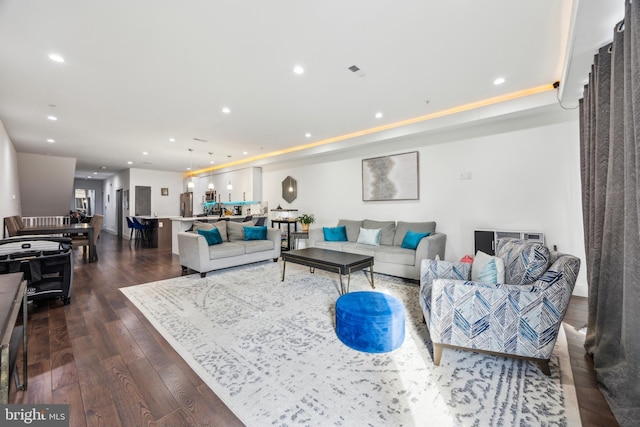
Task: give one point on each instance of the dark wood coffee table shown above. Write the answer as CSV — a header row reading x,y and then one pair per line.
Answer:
x,y
328,260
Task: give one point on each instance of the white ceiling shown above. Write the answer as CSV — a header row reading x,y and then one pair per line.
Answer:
x,y
138,73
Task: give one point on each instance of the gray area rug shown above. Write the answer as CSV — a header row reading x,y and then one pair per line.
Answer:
x,y
269,350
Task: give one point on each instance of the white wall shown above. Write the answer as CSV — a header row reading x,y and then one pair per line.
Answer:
x,y
525,176
46,184
164,206
9,182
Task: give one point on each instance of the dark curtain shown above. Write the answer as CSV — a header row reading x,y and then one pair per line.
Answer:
x,y
610,155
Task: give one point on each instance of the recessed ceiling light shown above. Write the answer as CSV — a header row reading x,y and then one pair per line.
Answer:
x,y
144,153
51,141
103,167
56,58
129,162
307,135
226,110
95,173
172,140
245,152
298,69
89,176
379,115
52,118
499,81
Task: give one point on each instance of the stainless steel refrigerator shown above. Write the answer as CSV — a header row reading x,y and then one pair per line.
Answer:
x,y
186,204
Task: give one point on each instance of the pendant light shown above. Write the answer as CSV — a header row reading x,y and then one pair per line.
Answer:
x,y
211,186
229,186
191,184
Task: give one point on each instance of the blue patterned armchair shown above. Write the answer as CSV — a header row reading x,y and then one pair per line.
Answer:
x,y
518,318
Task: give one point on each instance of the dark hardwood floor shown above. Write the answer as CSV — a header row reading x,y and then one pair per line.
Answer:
x,y
101,356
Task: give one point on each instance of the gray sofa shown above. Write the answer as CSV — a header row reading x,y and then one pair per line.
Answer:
x,y
389,257
196,254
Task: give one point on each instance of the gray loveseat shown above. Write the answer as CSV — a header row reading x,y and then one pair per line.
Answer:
x,y
389,257
196,254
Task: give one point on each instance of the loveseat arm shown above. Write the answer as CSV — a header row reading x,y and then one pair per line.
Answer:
x,y
518,320
315,235
430,247
275,235
193,251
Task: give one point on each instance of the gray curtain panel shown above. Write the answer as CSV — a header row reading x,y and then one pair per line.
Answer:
x,y
610,160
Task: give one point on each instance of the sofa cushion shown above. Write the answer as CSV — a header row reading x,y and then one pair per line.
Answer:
x,y
412,239
235,230
359,248
524,261
395,255
211,236
334,246
199,225
387,233
369,236
255,233
222,227
419,227
226,250
353,228
487,269
253,246
335,234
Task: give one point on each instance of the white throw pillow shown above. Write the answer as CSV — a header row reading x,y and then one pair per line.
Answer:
x,y
369,236
487,269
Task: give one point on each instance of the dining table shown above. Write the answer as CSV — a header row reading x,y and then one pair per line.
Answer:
x,y
70,229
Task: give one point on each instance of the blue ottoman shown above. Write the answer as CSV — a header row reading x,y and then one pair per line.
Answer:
x,y
372,322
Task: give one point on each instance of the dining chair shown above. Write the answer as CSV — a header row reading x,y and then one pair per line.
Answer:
x,y
143,234
83,241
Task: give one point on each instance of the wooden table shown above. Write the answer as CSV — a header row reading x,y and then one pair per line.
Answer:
x,y
80,228
13,295
328,260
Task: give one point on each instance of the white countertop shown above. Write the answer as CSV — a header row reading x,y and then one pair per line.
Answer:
x,y
209,218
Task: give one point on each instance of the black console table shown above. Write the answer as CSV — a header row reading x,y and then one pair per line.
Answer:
x,y
13,295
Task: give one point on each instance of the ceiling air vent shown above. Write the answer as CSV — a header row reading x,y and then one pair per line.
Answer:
x,y
357,71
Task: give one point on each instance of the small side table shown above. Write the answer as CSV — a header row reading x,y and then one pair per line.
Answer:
x,y
288,222
296,235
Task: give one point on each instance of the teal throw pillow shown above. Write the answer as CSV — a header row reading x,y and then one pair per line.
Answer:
x,y
212,236
412,239
335,234
255,233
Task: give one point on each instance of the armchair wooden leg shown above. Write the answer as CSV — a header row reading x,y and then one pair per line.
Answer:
x,y
437,354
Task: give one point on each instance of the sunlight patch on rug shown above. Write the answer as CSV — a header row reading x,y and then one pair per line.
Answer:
x,y
269,350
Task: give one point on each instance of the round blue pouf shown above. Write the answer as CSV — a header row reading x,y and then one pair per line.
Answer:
x,y
372,322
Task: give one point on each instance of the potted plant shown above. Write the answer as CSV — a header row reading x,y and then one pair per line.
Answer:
x,y
306,220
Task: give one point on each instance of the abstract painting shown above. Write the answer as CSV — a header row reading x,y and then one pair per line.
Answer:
x,y
392,177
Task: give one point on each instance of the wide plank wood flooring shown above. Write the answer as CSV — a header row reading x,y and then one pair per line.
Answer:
x,y
103,358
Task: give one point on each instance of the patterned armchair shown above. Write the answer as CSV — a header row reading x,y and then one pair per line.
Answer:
x,y
519,318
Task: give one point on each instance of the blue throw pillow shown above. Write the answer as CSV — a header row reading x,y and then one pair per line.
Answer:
x,y
255,233
335,234
212,236
412,238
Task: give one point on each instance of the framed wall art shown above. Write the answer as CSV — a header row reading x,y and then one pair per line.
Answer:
x,y
394,177
164,191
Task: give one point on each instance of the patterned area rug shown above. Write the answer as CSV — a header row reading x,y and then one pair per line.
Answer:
x,y
269,350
